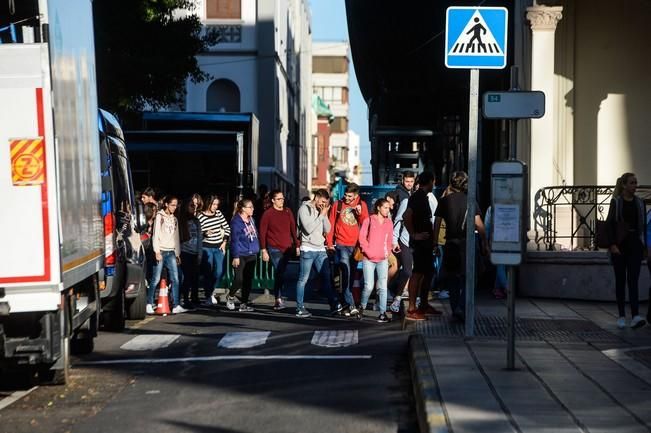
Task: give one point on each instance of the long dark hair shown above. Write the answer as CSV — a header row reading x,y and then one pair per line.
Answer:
x,y
211,198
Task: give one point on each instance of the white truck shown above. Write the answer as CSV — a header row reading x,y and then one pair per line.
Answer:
x,y
51,229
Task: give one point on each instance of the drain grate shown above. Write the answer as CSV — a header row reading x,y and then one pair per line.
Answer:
x,y
557,330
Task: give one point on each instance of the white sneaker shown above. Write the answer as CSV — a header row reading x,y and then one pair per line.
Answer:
x,y
395,305
178,310
230,302
149,309
444,294
637,322
621,322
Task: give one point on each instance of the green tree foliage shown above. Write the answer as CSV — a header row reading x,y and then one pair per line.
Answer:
x,y
145,52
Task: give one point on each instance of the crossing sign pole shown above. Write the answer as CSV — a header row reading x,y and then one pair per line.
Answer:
x,y
475,38
473,126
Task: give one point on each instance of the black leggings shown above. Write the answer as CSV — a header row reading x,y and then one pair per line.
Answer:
x,y
244,277
627,269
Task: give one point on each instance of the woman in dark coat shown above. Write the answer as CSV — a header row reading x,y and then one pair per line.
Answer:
x,y
626,228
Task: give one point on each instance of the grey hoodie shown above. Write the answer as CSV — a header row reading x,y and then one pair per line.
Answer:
x,y
312,227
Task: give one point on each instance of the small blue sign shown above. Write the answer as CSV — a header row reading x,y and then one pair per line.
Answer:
x,y
476,37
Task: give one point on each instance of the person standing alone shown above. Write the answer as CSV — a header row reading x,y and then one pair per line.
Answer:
x,y
626,232
278,241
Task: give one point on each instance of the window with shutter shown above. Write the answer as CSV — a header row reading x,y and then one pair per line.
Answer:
x,y
223,9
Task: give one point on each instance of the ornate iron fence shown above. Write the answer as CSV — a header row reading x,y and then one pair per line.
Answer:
x,y
572,217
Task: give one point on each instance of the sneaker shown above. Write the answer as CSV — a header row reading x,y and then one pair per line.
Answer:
x,y
338,308
246,308
383,318
360,312
149,309
499,293
352,310
428,310
279,304
444,294
178,310
418,302
621,322
395,305
414,315
637,322
230,302
302,312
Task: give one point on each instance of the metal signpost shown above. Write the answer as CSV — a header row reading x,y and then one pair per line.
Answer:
x,y
475,38
508,198
509,192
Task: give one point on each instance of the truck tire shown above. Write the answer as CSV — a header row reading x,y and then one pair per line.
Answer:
x,y
60,373
137,305
82,342
113,315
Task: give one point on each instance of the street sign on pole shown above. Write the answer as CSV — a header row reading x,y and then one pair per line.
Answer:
x,y
514,105
475,37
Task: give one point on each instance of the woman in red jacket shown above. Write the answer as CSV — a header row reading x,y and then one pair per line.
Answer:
x,y
375,239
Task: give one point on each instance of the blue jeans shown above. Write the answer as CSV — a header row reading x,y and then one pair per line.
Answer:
x,y
344,259
213,260
279,261
169,261
382,269
318,259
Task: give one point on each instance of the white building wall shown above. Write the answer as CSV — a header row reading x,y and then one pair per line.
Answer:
x,y
354,157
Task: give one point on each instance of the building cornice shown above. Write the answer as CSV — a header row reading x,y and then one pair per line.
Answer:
x,y
544,17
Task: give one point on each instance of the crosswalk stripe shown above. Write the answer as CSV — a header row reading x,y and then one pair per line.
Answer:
x,y
243,340
149,342
335,338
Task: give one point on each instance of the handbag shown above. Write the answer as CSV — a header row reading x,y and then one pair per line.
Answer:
x,y
358,256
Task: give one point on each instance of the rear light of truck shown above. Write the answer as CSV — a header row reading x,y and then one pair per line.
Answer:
x,y
109,248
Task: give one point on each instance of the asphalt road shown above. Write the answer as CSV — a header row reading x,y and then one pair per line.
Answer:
x,y
212,370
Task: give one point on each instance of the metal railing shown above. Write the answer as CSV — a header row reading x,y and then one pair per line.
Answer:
x,y
572,218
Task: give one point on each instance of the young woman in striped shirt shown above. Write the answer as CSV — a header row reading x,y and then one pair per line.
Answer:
x,y
216,231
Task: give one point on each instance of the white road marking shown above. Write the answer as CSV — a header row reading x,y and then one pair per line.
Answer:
x,y
635,367
149,342
224,358
14,397
243,340
335,338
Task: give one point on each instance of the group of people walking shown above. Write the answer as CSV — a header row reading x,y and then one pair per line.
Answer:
x,y
397,242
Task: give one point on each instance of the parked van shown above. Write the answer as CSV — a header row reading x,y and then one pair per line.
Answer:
x,y
125,293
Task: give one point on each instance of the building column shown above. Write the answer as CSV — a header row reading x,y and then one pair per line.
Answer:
x,y
544,170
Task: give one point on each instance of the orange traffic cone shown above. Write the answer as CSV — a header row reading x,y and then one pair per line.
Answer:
x,y
163,303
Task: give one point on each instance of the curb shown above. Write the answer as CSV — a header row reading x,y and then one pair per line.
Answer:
x,y
431,416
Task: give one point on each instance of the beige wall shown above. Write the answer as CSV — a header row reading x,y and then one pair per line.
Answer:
x,y
612,90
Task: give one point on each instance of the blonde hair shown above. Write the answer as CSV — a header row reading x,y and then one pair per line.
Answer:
x,y
619,185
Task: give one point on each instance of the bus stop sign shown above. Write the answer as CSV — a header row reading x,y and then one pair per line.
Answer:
x,y
514,105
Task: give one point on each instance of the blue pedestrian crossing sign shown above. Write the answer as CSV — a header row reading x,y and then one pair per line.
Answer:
x,y
476,37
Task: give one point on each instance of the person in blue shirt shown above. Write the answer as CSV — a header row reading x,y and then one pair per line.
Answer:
x,y
244,252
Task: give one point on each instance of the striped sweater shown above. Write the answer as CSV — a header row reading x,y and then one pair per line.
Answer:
x,y
217,225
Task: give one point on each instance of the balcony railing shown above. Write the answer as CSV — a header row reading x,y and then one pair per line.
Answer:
x,y
572,218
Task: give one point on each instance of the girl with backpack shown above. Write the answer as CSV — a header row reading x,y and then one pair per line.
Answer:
x,y
167,250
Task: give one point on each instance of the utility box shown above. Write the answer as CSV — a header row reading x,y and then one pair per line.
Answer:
x,y
509,212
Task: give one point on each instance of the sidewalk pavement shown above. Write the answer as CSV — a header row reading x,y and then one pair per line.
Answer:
x,y
575,371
